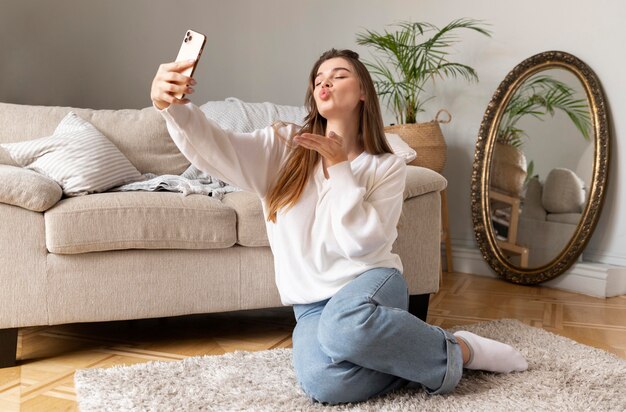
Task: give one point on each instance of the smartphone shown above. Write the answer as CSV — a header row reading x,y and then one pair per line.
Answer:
x,y
190,49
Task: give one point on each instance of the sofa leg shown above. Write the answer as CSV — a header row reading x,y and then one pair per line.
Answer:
x,y
8,347
418,305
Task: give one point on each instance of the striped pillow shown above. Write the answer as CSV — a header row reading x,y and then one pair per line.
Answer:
x,y
77,156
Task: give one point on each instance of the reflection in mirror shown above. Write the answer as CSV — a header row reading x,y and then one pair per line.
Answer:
x,y
540,168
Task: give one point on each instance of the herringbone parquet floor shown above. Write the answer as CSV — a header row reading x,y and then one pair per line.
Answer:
x,y
50,355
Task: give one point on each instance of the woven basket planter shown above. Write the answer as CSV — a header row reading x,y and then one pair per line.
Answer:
x,y
427,140
508,169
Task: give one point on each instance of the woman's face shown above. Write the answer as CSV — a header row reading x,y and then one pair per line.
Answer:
x,y
337,90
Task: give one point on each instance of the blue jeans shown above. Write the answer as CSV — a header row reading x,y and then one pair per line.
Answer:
x,y
362,342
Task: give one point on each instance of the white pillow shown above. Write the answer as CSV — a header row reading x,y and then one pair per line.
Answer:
x,y
400,147
563,192
77,156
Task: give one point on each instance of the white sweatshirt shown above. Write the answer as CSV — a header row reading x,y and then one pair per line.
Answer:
x,y
340,227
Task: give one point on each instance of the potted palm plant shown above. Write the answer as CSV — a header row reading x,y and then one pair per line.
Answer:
x,y
539,96
408,59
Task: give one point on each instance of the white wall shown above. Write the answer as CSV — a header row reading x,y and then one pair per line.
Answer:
x,y
104,54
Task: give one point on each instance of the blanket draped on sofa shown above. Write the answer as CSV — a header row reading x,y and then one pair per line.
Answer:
x,y
192,181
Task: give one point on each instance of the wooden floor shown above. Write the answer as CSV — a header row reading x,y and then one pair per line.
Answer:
x,y
50,355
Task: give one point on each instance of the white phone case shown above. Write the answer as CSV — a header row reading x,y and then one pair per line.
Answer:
x,y
190,49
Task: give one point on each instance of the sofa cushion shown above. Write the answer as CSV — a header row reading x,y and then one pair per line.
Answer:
x,y
251,229
569,218
113,221
76,156
140,135
27,189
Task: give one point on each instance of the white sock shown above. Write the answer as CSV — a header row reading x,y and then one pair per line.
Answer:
x,y
490,355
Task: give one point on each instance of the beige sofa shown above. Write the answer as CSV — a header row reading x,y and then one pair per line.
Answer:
x,y
132,255
550,215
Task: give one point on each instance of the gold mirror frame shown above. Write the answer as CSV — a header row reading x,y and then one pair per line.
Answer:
x,y
484,152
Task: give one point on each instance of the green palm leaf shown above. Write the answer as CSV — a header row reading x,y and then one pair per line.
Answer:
x,y
409,59
539,96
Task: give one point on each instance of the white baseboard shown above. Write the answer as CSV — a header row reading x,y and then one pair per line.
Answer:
x,y
589,278
608,258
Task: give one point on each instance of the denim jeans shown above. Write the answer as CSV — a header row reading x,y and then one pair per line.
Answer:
x,y
362,342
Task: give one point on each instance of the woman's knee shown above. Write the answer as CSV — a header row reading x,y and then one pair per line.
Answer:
x,y
343,332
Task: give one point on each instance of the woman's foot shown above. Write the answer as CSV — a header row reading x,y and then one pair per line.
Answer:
x,y
489,355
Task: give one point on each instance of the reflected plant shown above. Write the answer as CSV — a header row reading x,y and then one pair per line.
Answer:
x,y
539,96
530,169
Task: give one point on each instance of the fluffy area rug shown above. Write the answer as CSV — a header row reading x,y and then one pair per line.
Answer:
x,y
563,376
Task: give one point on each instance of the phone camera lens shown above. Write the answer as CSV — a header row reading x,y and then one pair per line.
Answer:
x,y
189,37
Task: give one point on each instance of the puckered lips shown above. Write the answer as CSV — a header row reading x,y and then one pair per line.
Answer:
x,y
324,94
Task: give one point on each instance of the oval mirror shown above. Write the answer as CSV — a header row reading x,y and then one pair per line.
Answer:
x,y
540,168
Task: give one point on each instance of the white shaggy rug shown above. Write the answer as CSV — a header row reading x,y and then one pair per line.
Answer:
x,y
563,376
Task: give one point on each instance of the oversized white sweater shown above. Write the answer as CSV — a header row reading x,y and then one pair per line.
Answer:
x,y
340,227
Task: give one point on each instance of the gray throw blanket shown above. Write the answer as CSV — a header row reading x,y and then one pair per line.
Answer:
x,y
192,181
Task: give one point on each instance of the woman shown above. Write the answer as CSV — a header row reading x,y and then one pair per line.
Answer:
x,y
332,193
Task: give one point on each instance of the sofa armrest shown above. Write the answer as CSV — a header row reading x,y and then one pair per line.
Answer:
x,y
28,189
23,278
419,232
420,180
532,207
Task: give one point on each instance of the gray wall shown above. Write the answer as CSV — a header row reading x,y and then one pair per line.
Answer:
x,y
104,55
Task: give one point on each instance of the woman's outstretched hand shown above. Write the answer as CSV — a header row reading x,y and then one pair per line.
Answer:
x,y
331,147
168,82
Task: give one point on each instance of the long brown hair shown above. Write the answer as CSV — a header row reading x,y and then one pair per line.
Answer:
x,y
294,173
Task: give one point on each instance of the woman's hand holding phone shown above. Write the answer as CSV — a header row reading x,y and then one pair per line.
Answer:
x,y
169,82
174,80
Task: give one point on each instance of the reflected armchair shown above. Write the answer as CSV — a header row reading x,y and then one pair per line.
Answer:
x,y
550,214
